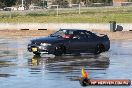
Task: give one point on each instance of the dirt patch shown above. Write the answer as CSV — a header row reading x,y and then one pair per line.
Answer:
x,y
27,33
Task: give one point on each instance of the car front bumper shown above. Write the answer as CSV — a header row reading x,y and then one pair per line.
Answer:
x,y
41,49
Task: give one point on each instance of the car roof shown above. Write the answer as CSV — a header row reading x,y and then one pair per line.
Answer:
x,y
74,29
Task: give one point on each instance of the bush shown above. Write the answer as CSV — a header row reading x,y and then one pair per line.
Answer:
x,y
9,15
37,14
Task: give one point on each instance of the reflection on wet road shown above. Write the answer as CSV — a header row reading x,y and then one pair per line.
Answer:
x,y
19,68
69,64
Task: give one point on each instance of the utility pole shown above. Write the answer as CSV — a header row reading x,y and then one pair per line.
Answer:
x,y
22,8
57,10
22,3
43,4
79,7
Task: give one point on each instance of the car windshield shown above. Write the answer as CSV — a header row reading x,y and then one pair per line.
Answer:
x,y
61,33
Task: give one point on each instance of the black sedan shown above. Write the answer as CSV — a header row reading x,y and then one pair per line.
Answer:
x,y
69,41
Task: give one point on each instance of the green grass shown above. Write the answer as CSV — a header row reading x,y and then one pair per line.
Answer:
x,y
36,14
88,15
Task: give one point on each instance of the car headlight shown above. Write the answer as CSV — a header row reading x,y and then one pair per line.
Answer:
x,y
45,44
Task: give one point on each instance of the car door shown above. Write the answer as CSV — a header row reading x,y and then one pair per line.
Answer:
x,y
91,41
78,43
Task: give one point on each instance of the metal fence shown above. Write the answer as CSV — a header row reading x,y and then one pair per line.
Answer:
x,y
74,9
78,9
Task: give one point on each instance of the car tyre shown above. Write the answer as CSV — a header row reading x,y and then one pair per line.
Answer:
x,y
99,49
59,51
36,53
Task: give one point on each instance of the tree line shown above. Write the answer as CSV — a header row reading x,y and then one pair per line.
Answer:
x,y
9,3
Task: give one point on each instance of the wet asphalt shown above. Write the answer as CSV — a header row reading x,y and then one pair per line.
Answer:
x,y
21,69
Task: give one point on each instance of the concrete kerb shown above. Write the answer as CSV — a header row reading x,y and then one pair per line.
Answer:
x,y
56,26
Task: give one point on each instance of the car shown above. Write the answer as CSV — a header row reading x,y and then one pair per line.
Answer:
x,y
70,41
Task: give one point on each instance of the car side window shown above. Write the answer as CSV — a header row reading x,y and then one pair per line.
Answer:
x,y
89,35
69,32
80,35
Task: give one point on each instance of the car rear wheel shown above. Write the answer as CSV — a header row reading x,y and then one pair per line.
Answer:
x,y
99,49
59,51
37,53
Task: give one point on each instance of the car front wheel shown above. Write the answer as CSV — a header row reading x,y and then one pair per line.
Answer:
x,y
59,51
37,53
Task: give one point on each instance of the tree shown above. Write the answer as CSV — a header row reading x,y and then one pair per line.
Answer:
x,y
100,1
2,4
9,3
61,3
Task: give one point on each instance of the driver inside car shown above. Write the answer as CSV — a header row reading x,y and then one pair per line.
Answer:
x,y
76,35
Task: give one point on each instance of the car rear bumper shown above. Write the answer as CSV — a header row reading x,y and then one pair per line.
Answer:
x,y
41,49
107,45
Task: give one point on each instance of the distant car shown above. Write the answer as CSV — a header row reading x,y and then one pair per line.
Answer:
x,y
68,41
10,9
1,9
